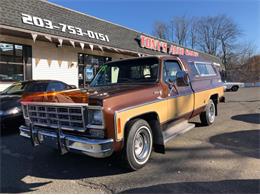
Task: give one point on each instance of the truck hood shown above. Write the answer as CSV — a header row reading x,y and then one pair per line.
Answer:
x,y
92,95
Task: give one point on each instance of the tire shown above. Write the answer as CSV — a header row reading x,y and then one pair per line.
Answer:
x,y
208,116
234,88
138,144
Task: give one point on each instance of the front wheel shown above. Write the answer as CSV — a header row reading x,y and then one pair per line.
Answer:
x,y
208,116
138,145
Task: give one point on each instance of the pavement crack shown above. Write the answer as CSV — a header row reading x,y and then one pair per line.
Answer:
x,y
95,186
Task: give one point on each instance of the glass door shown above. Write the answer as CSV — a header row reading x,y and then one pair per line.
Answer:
x,y
88,67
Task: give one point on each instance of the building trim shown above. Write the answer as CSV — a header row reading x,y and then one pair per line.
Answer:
x,y
69,39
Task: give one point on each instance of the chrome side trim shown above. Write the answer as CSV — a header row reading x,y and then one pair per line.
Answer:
x,y
143,104
115,127
147,103
152,102
163,99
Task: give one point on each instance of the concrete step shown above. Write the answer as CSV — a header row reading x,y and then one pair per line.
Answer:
x,y
176,130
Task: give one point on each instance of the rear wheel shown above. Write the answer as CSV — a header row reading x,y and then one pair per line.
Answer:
x,y
138,145
234,88
208,116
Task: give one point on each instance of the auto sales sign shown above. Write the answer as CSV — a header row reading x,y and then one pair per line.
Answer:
x,y
164,47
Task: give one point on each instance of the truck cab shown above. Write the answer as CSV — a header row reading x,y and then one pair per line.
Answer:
x,y
131,107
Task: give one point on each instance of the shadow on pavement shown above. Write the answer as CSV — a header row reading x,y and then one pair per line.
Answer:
x,y
241,142
20,160
225,186
249,118
198,124
234,101
5,131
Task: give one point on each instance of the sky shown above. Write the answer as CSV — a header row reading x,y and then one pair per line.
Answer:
x,y
140,15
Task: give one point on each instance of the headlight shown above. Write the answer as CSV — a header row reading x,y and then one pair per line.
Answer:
x,y
11,111
96,122
95,117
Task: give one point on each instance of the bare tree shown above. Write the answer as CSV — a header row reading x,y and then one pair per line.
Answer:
x,y
240,54
160,30
179,28
227,37
240,62
193,33
209,29
216,35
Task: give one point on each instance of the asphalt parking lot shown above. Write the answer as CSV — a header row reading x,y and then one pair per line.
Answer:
x,y
222,158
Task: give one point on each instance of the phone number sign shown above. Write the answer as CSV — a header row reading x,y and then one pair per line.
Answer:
x,y
74,30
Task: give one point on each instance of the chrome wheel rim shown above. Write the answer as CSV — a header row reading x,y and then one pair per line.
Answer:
x,y
212,113
142,145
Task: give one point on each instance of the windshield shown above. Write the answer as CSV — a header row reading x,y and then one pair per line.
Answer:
x,y
20,88
15,89
130,71
37,87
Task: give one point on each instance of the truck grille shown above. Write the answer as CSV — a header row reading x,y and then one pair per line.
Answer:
x,y
64,117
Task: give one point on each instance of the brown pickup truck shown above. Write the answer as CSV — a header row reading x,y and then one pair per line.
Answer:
x,y
132,107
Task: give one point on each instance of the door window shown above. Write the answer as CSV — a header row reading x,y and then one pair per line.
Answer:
x,y
170,70
205,69
56,86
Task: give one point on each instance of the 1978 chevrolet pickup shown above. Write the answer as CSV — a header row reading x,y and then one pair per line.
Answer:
x,y
132,107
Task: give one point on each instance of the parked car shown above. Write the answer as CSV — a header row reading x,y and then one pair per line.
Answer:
x,y
131,107
10,106
232,86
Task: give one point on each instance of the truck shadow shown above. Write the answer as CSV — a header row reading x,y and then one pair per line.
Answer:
x,y
225,186
249,118
6,131
19,160
241,142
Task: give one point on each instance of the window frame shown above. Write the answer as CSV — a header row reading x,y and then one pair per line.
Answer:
x,y
203,75
26,61
172,60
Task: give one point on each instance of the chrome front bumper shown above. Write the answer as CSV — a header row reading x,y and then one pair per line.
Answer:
x,y
68,143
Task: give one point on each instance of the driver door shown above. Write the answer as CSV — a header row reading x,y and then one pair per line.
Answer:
x,y
180,99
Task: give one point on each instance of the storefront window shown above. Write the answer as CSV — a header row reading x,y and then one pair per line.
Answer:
x,y
11,62
88,67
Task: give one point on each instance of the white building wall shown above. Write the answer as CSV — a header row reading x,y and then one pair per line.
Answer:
x,y
50,62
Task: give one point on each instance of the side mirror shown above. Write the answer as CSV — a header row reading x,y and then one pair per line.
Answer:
x,y
182,79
